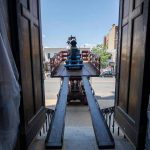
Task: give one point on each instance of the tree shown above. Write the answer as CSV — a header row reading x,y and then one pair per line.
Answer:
x,y
101,50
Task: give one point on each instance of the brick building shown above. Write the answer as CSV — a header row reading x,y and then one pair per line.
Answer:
x,y
110,40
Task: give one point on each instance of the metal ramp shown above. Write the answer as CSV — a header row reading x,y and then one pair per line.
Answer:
x,y
103,135
56,130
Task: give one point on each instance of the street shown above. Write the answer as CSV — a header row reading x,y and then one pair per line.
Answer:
x,y
104,90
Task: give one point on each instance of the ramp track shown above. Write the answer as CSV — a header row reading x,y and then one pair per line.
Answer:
x,y
102,133
56,130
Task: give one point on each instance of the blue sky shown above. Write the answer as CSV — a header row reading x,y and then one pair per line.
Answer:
x,y
88,20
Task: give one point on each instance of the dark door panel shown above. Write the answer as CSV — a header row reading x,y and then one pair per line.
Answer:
x,y
124,70
31,80
23,24
129,106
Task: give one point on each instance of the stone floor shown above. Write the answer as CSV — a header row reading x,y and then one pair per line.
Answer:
x,y
79,134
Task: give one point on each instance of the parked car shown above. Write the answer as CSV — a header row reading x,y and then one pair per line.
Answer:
x,y
106,74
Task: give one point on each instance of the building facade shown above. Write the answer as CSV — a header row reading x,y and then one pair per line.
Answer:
x,y
110,42
111,39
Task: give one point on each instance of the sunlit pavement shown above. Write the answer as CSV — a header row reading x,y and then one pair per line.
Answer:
x,y
104,90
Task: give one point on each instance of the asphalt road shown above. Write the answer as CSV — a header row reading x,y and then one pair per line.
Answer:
x,y
104,90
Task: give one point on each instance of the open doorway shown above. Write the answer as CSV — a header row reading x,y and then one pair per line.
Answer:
x,y
127,93
96,32
22,23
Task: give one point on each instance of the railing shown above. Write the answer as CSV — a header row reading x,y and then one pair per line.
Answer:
x,y
45,127
108,115
94,59
85,55
64,55
57,59
112,124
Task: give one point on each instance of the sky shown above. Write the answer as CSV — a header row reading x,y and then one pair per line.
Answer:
x,y
88,20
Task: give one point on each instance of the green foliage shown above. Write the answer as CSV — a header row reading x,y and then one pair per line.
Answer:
x,y
101,50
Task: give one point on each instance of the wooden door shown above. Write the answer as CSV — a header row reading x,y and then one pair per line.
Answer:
x,y
30,67
131,93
